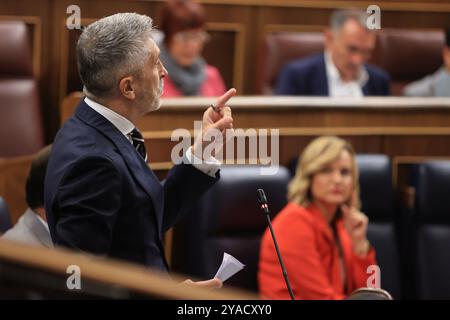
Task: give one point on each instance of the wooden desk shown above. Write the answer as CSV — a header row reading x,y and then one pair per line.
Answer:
x,y
367,115
116,279
395,126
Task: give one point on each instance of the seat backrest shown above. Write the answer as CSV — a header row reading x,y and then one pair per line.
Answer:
x,y
5,219
397,50
408,55
21,132
433,230
378,203
375,180
280,48
228,219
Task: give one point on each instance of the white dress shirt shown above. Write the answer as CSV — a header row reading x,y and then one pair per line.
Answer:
x,y
208,166
30,229
339,88
44,223
435,85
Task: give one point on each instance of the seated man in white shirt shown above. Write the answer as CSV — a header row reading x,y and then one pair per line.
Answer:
x,y
342,70
32,226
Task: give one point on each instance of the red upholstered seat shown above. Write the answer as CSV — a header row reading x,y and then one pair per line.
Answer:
x,y
21,129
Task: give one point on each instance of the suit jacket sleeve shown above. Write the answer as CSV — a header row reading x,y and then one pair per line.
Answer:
x,y
287,82
420,88
387,85
359,274
88,201
379,82
183,187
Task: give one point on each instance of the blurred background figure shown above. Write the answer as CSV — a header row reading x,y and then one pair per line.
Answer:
x,y
437,84
32,226
183,24
341,71
321,232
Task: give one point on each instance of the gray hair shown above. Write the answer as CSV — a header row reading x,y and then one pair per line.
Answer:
x,y
110,48
340,17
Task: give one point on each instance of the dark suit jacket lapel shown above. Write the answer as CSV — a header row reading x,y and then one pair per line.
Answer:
x,y
322,79
139,169
365,88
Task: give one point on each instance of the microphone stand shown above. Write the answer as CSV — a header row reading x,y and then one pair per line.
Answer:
x,y
265,208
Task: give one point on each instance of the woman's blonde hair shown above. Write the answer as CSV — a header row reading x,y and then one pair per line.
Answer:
x,y
317,155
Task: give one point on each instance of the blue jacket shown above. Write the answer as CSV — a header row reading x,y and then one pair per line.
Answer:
x,y
308,77
101,197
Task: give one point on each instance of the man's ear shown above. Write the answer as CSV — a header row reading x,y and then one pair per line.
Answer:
x,y
446,57
126,88
329,37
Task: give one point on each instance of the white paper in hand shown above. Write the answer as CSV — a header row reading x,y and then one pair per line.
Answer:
x,y
229,267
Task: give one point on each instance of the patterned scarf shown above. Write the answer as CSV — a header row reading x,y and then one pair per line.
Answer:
x,y
188,79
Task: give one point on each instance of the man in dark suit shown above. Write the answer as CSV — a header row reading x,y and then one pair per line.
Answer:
x,y
100,195
341,70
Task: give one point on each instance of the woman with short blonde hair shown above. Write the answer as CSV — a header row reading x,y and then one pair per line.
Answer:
x,y
318,154
321,232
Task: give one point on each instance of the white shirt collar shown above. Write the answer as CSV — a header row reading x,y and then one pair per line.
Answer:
x,y
44,223
208,166
120,122
337,87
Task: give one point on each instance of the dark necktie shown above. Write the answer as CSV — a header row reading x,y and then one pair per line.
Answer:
x,y
138,143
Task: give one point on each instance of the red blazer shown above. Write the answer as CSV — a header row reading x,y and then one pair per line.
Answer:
x,y
211,87
311,257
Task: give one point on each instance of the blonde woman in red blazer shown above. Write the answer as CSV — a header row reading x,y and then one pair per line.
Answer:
x,y
321,232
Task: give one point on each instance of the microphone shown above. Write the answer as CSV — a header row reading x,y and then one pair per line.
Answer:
x,y
264,207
